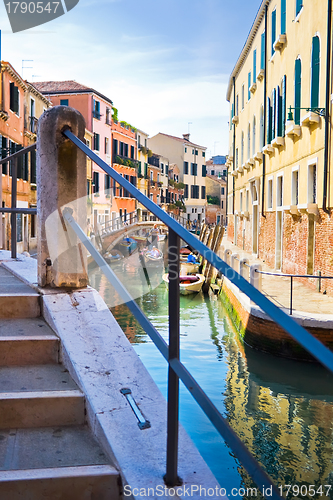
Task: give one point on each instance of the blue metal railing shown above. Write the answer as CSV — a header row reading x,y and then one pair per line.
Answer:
x,y
171,353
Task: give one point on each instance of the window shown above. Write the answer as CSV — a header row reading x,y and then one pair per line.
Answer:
x,y
273,113
185,167
222,190
241,201
270,194
262,58
279,197
115,147
298,84
196,152
279,112
14,98
283,105
132,152
248,141
273,31
203,154
294,187
192,151
212,172
237,109
108,116
315,67
255,66
195,192
33,168
166,169
269,122
96,142
248,86
194,169
162,168
242,149
299,5
63,102
186,191
247,200
107,182
283,17
106,146
236,158
254,136
96,110
95,182
203,173
312,184
203,192
185,150
243,97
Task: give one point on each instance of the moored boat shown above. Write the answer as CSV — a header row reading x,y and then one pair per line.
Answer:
x,y
113,256
128,246
153,256
187,284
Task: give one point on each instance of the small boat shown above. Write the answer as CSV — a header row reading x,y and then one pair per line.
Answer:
x,y
188,284
140,239
184,251
113,256
153,256
189,268
128,245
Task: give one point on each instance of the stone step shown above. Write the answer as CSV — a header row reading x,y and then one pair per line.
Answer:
x,y
27,341
17,300
64,463
39,395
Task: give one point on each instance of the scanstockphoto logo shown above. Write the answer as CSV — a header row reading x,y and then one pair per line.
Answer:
x,y
25,15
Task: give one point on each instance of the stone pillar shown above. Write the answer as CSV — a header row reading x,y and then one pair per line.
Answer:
x,y
61,182
235,262
255,276
244,268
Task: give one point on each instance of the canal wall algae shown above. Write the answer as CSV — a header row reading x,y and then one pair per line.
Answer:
x,y
257,330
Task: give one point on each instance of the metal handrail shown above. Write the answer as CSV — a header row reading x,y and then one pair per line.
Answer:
x,y
302,336
291,276
14,210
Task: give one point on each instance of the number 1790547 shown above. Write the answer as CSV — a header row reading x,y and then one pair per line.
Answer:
x,y
32,7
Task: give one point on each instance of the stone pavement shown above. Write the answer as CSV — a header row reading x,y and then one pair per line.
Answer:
x,y
277,288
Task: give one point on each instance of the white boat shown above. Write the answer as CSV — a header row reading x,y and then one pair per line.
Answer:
x,y
161,237
189,268
188,284
153,256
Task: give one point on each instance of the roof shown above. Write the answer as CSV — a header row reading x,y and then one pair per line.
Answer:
x,y
184,141
247,45
67,87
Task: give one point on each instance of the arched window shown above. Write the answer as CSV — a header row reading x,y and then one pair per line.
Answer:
x,y
315,67
242,149
254,136
248,142
298,81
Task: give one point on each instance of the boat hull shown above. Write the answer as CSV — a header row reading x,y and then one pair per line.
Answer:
x,y
188,288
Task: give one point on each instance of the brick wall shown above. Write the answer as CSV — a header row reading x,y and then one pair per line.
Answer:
x,y
267,238
295,242
324,248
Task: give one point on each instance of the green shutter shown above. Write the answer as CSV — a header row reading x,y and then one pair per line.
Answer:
x,y
283,105
298,81
283,17
273,114
249,85
11,96
273,29
268,121
16,99
299,5
262,61
255,66
315,67
139,168
279,112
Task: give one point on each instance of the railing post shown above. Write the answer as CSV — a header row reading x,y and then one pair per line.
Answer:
x,y
61,181
227,256
291,296
256,276
13,216
171,478
235,262
244,268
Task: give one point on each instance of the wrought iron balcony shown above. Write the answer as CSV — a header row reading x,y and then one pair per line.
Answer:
x,y
126,161
33,124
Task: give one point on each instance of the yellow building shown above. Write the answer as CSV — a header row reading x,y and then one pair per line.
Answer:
x,y
279,196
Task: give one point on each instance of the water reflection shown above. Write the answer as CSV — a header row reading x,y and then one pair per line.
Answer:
x,y
281,409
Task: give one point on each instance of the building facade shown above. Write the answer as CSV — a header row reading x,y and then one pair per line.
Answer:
x,y
190,158
279,195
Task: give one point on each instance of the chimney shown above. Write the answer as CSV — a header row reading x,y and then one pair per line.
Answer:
x,y
186,137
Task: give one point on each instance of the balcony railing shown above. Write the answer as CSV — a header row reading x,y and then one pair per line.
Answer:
x,y
171,352
124,160
33,121
153,160
96,114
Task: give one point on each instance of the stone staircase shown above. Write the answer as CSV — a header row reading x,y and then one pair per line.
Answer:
x,y
47,451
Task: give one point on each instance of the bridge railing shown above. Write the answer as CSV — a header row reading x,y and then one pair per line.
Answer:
x,y
171,352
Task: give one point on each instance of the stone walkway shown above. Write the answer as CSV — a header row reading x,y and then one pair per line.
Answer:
x,y
277,288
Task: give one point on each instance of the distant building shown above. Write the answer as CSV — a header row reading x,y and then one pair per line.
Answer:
x,y
190,159
217,166
216,190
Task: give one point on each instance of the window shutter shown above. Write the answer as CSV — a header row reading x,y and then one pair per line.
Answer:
x,y
139,168
11,96
33,170
132,152
203,170
268,121
299,5
273,114
262,61
255,66
248,86
278,112
115,147
283,17
283,106
315,67
16,99
298,81
203,192
273,29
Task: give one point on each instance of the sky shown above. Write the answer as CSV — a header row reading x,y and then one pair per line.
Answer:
x,y
165,65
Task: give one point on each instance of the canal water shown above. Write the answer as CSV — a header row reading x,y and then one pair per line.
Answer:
x,y
281,409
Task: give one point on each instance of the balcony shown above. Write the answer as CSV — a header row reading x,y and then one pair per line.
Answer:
x,y
278,142
268,149
154,161
124,160
253,87
96,114
292,129
280,42
309,119
33,121
260,75
258,156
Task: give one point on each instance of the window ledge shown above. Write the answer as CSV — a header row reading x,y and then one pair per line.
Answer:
x,y
280,42
246,214
253,87
258,156
309,119
261,75
268,149
292,210
248,164
312,208
235,120
234,173
240,169
278,142
293,129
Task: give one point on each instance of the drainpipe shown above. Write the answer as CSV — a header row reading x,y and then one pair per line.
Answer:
x,y
265,113
327,103
234,151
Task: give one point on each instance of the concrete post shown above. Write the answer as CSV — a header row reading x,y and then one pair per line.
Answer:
x,y
256,277
244,269
235,262
227,256
61,181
